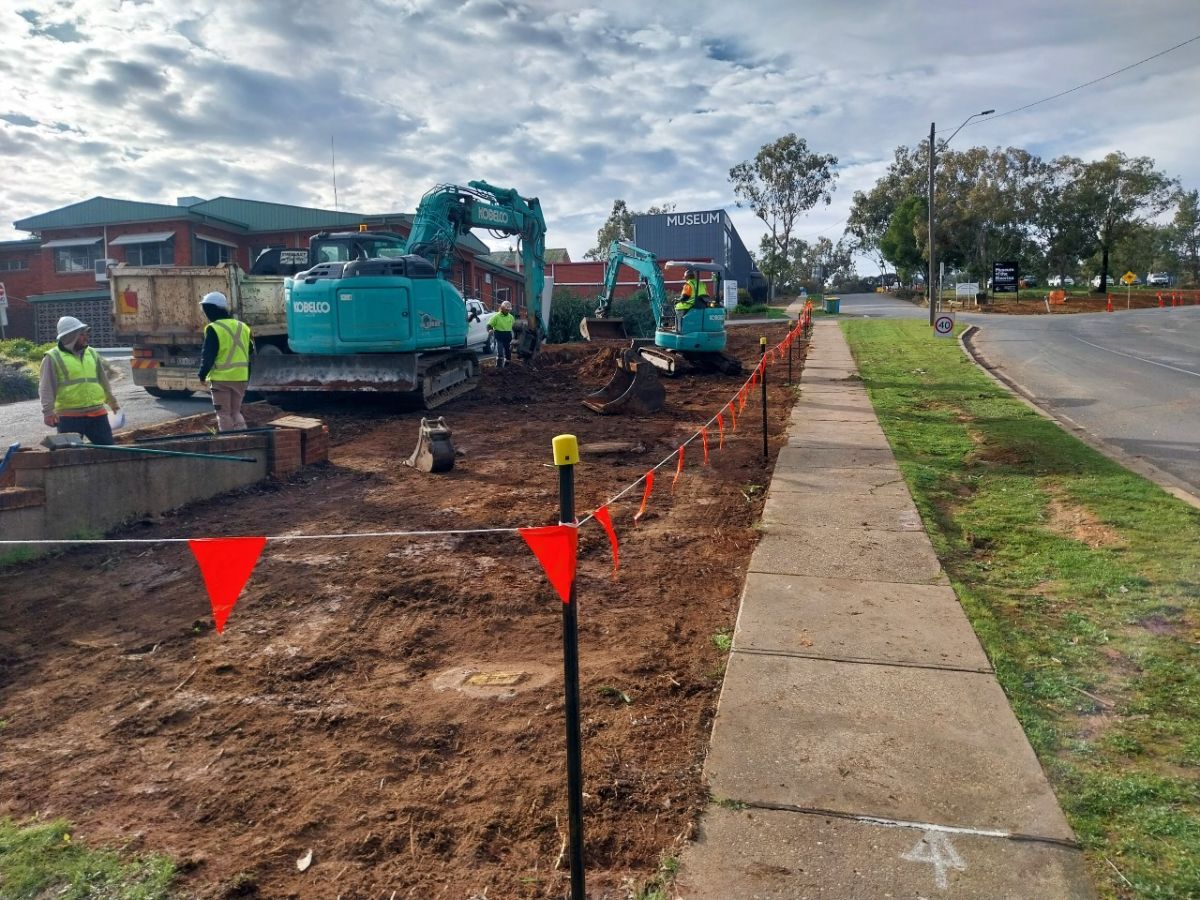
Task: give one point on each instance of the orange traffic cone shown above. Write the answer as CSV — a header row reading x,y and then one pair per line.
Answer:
x,y
1109,307
1160,303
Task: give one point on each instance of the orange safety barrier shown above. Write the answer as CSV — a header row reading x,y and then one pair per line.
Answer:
x,y
1057,297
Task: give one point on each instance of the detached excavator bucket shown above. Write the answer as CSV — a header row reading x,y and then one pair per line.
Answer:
x,y
634,388
434,451
603,330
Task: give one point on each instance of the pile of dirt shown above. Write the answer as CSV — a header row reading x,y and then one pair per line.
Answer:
x,y
603,363
1073,304
395,705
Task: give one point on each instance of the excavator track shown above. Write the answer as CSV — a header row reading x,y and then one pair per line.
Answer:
x,y
449,378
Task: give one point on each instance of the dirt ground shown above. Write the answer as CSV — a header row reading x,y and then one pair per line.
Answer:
x,y
1073,304
335,712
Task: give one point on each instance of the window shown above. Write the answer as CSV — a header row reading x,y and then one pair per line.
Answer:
x,y
81,258
161,253
13,265
210,254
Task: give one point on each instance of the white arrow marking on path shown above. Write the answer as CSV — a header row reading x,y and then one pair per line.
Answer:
x,y
935,848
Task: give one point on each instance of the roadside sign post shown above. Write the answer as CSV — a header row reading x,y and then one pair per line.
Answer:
x,y
943,324
1128,279
1006,278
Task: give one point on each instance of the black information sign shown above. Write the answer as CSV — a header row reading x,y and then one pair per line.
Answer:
x,y
1006,277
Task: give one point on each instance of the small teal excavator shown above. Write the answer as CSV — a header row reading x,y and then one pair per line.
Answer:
x,y
692,340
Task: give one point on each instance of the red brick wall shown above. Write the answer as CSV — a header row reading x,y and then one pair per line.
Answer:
x,y
586,279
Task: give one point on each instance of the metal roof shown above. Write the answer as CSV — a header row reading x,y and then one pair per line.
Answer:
x,y
74,242
259,216
150,237
101,211
97,294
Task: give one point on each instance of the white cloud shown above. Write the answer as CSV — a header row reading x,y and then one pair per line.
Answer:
x,y
653,103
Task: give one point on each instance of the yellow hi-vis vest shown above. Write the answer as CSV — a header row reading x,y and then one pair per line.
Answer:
x,y
693,289
233,351
78,388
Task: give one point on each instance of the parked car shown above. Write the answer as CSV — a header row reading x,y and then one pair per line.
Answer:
x,y
1060,281
1029,281
478,317
1112,282
1158,279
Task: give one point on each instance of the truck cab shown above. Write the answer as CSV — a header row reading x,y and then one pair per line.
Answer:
x,y
329,247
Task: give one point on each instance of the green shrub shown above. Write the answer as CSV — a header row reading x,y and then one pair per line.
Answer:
x,y
638,316
23,350
17,382
566,310
744,298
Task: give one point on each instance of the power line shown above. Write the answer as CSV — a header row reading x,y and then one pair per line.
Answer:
x,y
1087,83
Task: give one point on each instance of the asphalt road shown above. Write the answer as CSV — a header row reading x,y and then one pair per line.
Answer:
x,y
1129,380
23,421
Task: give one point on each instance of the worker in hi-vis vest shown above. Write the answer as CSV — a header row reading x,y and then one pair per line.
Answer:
x,y
225,360
73,387
694,290
501,325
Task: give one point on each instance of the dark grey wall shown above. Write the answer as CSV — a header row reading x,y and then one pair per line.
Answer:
x,y
702,235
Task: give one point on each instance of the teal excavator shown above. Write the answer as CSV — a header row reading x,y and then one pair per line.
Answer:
x,y
397,323
693,340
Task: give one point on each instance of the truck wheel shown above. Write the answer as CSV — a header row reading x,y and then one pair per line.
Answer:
x,y
168,395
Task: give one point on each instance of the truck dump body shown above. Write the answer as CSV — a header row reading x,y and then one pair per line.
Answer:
x,y
162,304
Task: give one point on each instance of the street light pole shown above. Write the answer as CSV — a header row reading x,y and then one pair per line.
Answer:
x,y
932,246
931,280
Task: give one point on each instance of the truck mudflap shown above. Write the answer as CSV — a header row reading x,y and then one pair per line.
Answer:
x,y
438,377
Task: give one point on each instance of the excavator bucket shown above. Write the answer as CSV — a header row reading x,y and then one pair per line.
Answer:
x,y
634,388
434,451
603,329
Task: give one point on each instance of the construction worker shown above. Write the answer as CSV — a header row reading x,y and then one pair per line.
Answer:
x,y
694,291
502,326
74,387
225,360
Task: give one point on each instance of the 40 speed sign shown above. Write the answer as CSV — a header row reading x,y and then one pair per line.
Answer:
x,y
943,325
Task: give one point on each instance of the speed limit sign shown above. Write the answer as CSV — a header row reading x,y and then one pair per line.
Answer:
x,y
943,325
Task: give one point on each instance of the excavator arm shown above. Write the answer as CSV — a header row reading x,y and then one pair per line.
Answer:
x,y
645,264
449,211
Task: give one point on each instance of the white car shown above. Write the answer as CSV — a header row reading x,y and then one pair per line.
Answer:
x,y
478,336
1158,279
1060,281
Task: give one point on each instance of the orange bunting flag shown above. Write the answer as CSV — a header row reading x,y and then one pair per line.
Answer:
x,y
645,496
605,519
733,415
555,547
720,432
226,564
678,468
742,400
704,441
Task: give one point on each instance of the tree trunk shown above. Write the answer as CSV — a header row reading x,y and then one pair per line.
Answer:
x,y
1103,268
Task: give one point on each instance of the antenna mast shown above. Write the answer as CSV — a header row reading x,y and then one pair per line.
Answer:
x,y
333,166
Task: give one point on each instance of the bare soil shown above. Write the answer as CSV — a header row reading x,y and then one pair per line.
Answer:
x,y
1074,304
396,705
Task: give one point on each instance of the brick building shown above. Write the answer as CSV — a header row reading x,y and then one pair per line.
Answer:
x,y
62,269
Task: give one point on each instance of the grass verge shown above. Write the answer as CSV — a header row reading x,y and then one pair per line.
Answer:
x,y
41,859
1082,581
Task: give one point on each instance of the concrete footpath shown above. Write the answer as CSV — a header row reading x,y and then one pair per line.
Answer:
x,y
862,746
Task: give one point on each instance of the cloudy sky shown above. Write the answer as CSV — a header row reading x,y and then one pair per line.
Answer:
x,y
651,102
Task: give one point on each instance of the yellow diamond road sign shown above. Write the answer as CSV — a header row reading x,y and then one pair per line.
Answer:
x,y
1128,278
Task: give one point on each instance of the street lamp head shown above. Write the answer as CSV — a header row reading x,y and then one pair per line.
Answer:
x,y
986,112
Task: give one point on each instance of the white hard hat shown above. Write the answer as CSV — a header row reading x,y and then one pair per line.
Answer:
x,y
506,305
215,298
69,325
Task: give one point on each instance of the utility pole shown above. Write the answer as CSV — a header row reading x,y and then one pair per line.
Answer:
x,y
929,280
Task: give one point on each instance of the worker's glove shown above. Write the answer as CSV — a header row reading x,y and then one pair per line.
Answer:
x,y
50,420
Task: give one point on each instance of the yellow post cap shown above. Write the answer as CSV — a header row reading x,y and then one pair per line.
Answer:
x,y
762,342
566,450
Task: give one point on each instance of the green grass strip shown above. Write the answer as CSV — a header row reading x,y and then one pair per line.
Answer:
x,y
42,860
1082,581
